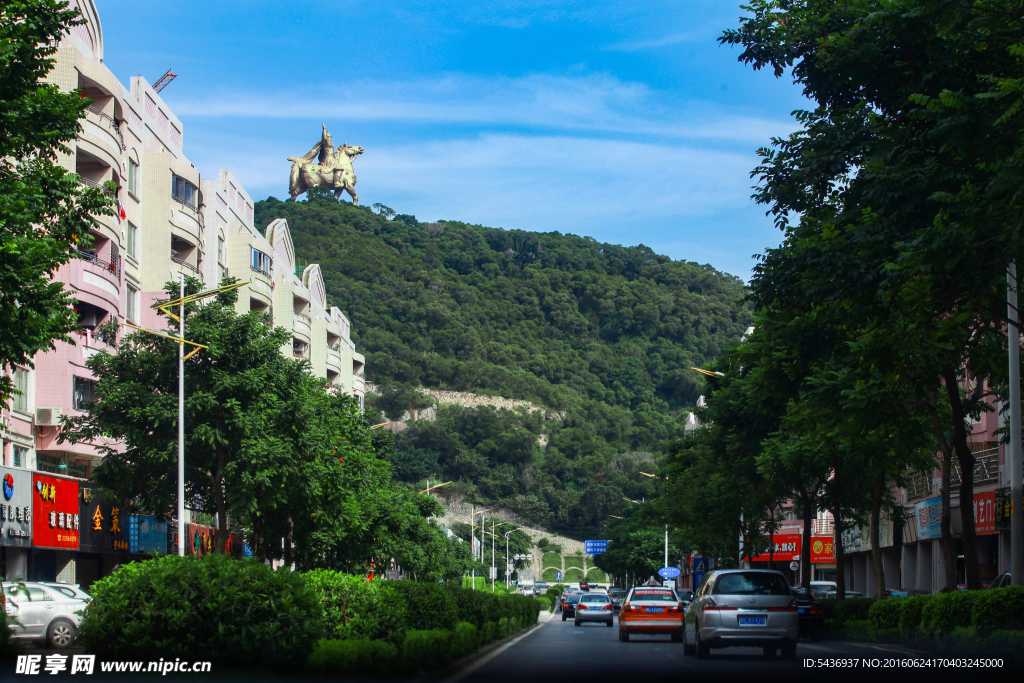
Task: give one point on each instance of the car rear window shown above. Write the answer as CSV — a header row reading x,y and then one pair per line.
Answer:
x,y
751,583
663,594
574,597
596,598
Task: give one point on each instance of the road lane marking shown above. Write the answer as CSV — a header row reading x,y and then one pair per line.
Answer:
x,y
488,657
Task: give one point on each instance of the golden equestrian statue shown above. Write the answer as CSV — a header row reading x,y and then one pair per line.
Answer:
x,y
333,168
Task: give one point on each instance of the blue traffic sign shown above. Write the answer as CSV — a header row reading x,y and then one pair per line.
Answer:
x,y
669,572
558,576
595,547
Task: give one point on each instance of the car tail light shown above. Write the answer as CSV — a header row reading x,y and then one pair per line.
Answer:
x,y
712,606
581,606
816,610
791,607
626,607
609,607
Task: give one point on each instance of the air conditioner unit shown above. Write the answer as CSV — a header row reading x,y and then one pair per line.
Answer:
x,y
48,417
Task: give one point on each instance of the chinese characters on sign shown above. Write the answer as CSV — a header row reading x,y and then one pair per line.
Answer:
x,y
146,534
103,529
822,549
928,515
16,507
786,546
55,519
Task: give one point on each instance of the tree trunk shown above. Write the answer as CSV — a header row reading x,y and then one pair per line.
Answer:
x,y
288,542
837,545
771,538
969,536
222,505
945,523
876,550
805,550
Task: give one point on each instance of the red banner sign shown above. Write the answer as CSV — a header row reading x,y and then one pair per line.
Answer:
x,y
822,549
786,547
55,515
985,512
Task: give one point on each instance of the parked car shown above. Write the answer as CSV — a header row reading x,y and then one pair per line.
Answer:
x,y
1002,580
651,610
903,593
40,611
569,602
617,595
72,590
831,595
744,608
685,596
812,617
595,607
823,587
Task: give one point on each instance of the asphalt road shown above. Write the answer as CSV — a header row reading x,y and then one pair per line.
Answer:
x,y
559,651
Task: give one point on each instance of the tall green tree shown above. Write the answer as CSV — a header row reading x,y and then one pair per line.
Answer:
x,y
44,212
905,176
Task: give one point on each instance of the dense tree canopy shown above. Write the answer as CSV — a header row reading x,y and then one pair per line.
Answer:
x,y
604,333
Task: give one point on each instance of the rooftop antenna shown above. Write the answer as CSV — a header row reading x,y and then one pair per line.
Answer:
x,y
164,81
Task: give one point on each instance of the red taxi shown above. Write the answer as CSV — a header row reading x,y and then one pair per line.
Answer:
x,y
652,610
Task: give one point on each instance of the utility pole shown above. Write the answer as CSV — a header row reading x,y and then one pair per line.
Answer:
x,y
666,546
1016,467
492,555
472,545
181,421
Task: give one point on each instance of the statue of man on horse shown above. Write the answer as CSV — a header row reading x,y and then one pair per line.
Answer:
x,y
333,168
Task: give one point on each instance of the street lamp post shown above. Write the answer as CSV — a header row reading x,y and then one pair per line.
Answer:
x,y
1016,467
182,357
507,534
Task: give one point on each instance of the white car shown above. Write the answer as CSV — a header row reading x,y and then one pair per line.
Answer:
x,y
43,611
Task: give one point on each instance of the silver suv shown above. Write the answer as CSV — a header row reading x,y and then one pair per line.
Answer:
x,y
38,611
742,608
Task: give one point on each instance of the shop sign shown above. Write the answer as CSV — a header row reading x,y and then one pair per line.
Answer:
x,y
928,517
146,535
786,547
104,525
55,518
16,507
1003,509
199,539
822,549
985,512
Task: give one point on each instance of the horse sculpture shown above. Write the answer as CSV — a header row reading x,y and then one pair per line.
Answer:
x,y
333,168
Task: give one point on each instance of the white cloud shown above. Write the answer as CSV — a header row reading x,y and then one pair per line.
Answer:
x,y
664,195
586,104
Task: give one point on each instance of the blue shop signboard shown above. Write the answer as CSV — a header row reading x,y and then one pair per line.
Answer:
x,y
929,516
146,535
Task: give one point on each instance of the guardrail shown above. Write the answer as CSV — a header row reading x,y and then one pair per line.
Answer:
x,y
112,266
111,123
184,263
303,316
986,468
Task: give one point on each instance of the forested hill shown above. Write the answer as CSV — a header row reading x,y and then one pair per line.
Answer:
x,y
604,332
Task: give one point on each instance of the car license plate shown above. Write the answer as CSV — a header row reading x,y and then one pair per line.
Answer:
x,y
801,610
760,620
653,609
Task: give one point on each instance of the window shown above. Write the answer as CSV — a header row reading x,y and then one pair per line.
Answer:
x,y
133,241
260,262
21,386
84,392
133,178
751,583
20,456
132,305
220,250
183,191
60,464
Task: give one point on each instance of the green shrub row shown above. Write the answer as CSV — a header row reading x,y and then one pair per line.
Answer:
x,y
420,652
546,603
216,608
939,615
243,613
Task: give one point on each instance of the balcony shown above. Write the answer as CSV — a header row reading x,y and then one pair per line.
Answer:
x,y
986,468
108,125
185,264
304,317
823,527
113,267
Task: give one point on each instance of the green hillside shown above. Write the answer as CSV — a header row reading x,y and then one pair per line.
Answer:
x,y
603,332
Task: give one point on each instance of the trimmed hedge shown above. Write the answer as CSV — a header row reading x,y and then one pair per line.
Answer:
x,y
853,609
1002,608
429,606
885,613
946,612
356,608
354,657
546,603
216,608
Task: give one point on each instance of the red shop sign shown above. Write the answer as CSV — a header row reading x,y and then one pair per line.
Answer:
x,y
55,517
822,549
985,512
786,546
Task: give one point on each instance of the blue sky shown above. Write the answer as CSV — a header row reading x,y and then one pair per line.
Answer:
x,y
624,121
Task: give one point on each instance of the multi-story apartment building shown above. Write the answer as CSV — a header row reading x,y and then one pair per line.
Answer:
x,y
175,222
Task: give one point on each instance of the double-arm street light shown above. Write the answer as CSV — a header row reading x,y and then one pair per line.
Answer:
x,y
507,534
182,357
